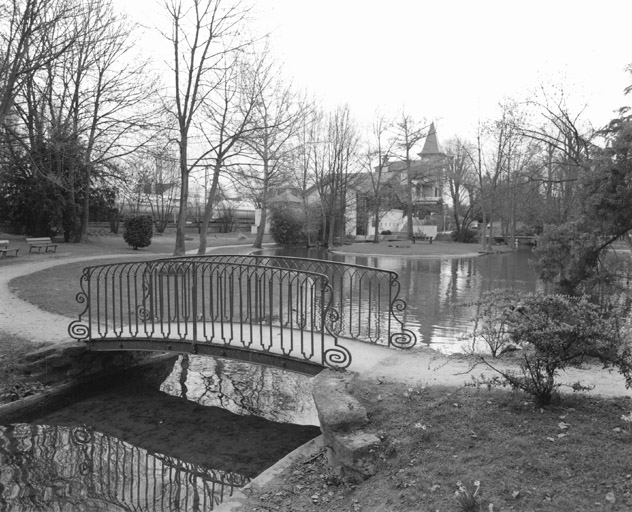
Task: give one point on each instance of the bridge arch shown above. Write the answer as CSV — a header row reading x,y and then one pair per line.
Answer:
x,y
289,312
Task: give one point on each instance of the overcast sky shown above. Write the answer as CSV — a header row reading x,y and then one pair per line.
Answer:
x,y
450,61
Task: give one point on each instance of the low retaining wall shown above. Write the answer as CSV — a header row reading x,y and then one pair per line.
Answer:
x,y
67,367
73,360
351,451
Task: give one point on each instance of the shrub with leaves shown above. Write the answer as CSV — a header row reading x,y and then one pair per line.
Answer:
x,y
493,313
138,231
556,332
286,226
465,236
568,257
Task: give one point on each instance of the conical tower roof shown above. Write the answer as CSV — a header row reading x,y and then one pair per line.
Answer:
x,y
431,146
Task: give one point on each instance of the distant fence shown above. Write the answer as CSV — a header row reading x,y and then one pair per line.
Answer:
x,y
192,228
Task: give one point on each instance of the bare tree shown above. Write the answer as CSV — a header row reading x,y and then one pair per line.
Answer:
x,y
343,143
203,33
229,114
111,106
461,184
303,168
333,153
277,112
377,156
515,190
88,106
566,147
502,138
30,40
408,133
158,180
323,175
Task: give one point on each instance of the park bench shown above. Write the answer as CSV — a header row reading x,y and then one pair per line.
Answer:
x,y
404,241
401,240
41,243
5,249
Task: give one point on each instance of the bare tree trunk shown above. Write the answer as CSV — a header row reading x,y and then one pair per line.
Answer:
x,y
208,209
323,233
258,243
409,213
264,209
180,249
490,221
514,221
83,234
332,226
484,228
376,220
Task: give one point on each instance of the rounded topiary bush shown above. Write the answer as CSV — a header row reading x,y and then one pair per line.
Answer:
x,y
138,231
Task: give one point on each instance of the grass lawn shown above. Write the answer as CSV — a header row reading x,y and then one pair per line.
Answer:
x,y
571,456
61,287
55,289
114,244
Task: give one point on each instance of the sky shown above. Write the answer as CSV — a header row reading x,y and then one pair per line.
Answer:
x,y
447,61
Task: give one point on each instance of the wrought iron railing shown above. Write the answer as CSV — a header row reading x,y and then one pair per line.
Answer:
x,y
291,307
366,299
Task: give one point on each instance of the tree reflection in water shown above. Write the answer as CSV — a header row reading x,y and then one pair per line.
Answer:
x,y
243,388
45,467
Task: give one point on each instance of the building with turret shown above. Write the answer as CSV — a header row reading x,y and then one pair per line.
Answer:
x,y
427,176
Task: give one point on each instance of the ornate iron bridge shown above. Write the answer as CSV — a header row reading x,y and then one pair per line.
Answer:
x,y
288,312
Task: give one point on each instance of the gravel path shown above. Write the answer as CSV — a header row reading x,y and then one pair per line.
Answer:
x,y
25,320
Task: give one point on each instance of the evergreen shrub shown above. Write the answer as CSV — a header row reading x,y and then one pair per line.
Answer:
x,y
465,236
138,231
286,226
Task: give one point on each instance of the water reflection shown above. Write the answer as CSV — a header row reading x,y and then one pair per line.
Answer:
x,y
49,467
435,289
134,447
243,388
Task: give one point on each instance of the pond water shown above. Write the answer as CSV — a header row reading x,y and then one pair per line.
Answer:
x,y
181,435
436,290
